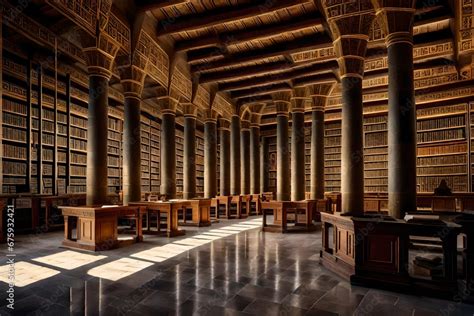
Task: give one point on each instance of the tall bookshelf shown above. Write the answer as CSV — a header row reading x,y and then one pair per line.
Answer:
x,y
145,154
179,161
332,156
442,151
199,164
16,116
375,154
114,152
154,156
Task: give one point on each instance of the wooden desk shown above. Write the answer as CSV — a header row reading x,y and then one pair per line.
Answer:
x,y
236,202
96,226
200,212
255,203
170,209
246,204
223,200
214,210
302,212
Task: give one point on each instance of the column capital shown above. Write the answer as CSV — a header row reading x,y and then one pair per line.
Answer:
x,y
350,23
244,125
224,124
132,78
210,115
189,110
99,54
396,20
299,99
282,101
167,105
319,94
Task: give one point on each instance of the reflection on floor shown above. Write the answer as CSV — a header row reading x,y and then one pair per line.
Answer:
x,y
229,268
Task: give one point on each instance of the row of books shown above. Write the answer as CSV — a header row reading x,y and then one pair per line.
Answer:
x,y
441,135
439,123
15,120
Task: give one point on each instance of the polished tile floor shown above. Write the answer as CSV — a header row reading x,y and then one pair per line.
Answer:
x,y
230,268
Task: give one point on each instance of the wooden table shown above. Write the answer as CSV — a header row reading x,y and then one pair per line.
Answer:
x,y
168,208
302,212
246,200
96,226
200,212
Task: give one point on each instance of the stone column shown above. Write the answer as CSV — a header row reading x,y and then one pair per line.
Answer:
x,y
235,156
168,147
132,82
264,165
397,24
99,65
319,93
350,26
189,157
297,145
245,158
224,132
255,159
210,158
282,102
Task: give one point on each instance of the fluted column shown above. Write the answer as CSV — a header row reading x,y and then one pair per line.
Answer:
x,y
132,78
245,158
235,188
297,145
319,94
255,159
168,147
397,23
189,161
210,158
224,134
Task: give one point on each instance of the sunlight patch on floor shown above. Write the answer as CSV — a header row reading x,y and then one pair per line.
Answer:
x,y
118,269
69,259
26,273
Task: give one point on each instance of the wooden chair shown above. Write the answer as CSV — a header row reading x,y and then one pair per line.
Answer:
x,y
443,204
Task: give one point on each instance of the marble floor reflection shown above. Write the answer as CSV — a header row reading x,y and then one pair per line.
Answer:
x,y
230,268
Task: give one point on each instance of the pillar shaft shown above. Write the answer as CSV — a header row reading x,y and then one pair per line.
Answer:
x,y
283,163
264,165
401,130
131,151
235,156
189,161
255,160
352,160
97,140
297,157
225,161
168,155
210,159
245,161
317,154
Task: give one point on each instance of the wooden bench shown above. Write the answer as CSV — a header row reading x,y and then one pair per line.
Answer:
x,y
97,226
301,212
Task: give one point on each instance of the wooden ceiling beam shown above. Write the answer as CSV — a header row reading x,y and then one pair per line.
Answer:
x,y
253,33
147,5
290,47
259,90
279,77
223,15
245,71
